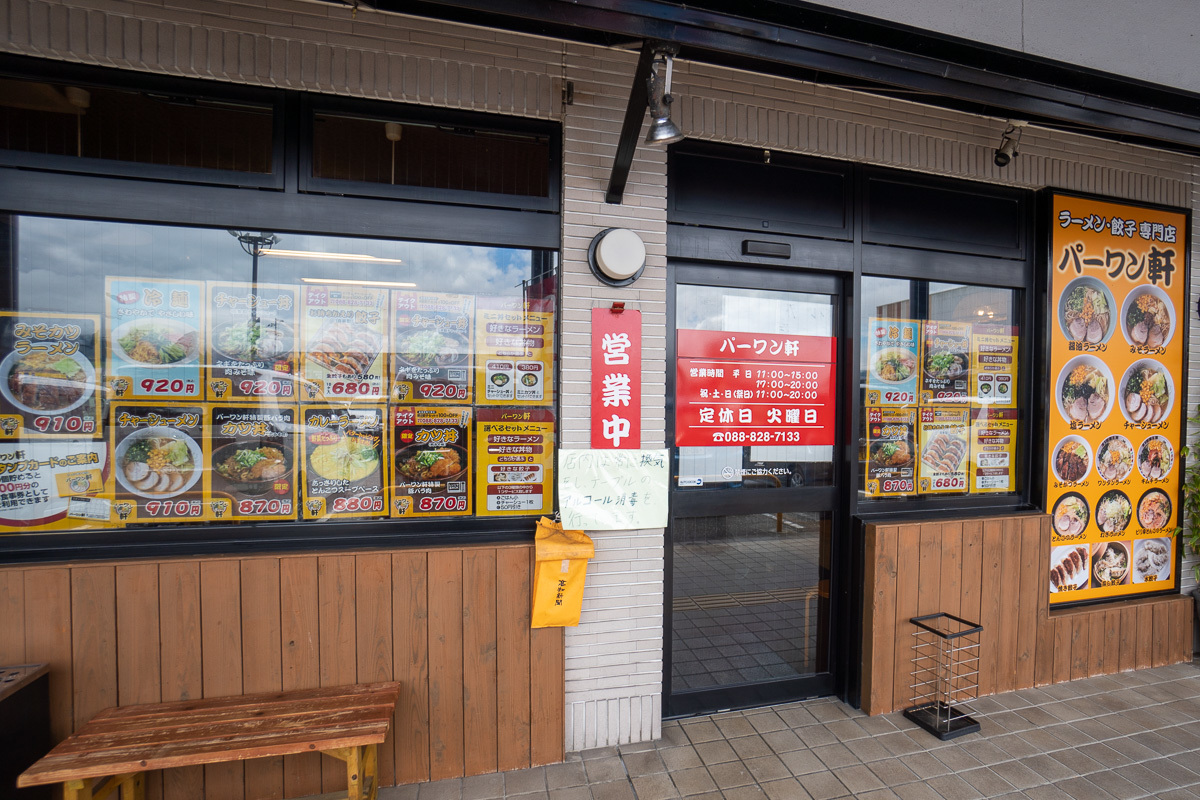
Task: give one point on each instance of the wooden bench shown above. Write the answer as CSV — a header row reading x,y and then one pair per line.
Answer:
x,y
120,744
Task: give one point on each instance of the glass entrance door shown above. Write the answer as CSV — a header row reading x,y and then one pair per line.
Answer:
x,y
754,491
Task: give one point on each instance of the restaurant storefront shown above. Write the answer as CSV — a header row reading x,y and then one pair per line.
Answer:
x,y
297,325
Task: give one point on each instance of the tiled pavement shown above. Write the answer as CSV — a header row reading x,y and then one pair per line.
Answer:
x,y
1124,736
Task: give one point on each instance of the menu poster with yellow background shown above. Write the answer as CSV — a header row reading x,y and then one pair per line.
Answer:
x,y
1118,290
431,453
431,358
252,348
49,381
514,348
514,461
891,451
51,485
254,467
993,450
159,454
344,334
993,365
343,461
945,448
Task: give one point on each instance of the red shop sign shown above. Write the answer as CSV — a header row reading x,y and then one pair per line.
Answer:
x,y
734,388
616,379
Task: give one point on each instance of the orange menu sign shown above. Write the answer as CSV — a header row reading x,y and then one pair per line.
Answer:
x,y
1118,284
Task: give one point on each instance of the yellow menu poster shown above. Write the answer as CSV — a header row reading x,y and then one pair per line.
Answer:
x,y
945,447
514,353
344,335
993,450
1119,303
514,472
993,366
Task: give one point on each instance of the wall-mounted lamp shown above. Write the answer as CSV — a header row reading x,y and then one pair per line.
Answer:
x,y
658,90
617,256
1009,140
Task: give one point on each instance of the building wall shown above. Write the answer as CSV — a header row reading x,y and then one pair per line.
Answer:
x,y
1152,41
614,657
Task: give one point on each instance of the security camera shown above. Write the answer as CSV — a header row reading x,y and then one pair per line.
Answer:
x,y
1009,140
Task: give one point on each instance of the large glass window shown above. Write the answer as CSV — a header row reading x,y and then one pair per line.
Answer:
x,y
938,381
158,374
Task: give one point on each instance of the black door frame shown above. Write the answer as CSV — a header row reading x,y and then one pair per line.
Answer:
x,y
722,502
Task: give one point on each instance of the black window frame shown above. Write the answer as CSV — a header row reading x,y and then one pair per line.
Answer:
x,y
129,193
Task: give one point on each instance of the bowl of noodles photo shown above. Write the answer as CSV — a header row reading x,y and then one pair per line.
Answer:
x,y
1086,311
429,349
158,463
350,459
420,463
156,342
894,365
1085,390
253,466
37,383
1146,317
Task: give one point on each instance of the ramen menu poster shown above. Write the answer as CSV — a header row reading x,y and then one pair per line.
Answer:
x,y
1117,334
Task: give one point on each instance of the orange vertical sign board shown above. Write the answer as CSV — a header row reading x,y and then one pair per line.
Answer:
x,y
1118,287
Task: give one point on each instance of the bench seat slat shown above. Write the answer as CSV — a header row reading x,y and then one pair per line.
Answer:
x,y
366,694
231,714
102,740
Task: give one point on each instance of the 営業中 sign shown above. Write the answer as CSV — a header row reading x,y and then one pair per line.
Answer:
x,y
616,379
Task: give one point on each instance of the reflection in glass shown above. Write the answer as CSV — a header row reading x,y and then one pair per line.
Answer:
x,y
257,376
750,599
938,383
764,466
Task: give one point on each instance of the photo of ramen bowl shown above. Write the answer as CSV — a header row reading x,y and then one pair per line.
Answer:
x,y
39,384
1147,392
1086,311
1147,319
253,466
427,349
264,340
1154,510
500,379
158,463
894,365
156,342
428,462
1070,514
1084,390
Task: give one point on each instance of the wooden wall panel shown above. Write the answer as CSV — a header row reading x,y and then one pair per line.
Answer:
x,y
996,572
136,632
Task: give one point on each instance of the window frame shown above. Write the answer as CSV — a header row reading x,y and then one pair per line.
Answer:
x,y
136,195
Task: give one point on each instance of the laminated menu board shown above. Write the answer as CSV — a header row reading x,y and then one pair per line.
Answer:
x,y
993,450
252,346
49,381
51,485
155,335
514,461
993,365
945,362
159,455
344,335
893,353
431,350
514,352
343,461
253,462
945,449
431,461
1118,329
891,451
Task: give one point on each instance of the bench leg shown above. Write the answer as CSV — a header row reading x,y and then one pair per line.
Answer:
x,y
77,790
362,770
131,786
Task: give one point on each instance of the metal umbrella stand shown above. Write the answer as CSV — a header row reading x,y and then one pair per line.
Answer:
x,y
945,674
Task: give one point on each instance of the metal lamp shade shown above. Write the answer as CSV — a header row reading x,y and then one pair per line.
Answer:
x,y
663,131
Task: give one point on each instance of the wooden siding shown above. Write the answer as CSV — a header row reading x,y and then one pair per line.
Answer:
x,y
996,572
451,624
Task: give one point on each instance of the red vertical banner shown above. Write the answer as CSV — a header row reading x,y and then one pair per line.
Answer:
x,y
616,379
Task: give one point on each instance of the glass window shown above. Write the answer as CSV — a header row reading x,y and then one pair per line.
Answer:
x,y
764,393
193,375
406,153
938,379
142,127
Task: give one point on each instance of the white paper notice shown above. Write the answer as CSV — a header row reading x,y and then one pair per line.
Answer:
x,y
613,490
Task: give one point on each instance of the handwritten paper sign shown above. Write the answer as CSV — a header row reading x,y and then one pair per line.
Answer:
x,y
613,490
